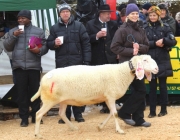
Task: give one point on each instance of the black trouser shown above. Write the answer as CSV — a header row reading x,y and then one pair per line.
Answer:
x,y
27,83
153,93
77,111
135,104
14,80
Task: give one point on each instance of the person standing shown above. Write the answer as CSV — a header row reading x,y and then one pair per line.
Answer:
x,y
2,33
161,39
74,49
166,17
129,40
119,14
26,64
145,8
101,31
177,18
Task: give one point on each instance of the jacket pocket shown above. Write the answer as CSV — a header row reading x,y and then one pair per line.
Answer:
x,y
74,35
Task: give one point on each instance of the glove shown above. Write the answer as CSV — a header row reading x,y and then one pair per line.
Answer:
x,y
86,63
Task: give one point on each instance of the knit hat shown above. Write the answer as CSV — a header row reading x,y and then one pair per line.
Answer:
x,y
121,7
146,6
177,17
154,9
131,8
25,13
64,7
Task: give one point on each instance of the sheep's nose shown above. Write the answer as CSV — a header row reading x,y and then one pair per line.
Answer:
x,y
157,69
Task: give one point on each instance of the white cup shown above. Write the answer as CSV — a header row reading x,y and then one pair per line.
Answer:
x,y
104,29
21,27
61,39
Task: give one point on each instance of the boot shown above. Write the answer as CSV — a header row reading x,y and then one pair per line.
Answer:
x,y
152,114
163,111
79,118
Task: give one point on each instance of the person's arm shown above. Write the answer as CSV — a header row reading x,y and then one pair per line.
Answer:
x,y
169,40
1,45
10,40
44,49
117,45
51,40
172,24
92,36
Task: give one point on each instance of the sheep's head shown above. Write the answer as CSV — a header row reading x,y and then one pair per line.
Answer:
x,y
144,64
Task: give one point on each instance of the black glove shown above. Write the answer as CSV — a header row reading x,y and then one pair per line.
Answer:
x,y
86,63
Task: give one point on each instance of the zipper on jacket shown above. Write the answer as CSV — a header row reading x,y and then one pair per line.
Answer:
x,y
67,49
25,46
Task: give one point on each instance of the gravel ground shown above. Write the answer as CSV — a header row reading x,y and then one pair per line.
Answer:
x,y
163,128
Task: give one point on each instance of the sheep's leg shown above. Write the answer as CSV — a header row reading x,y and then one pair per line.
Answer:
x,y
62,111
112,107
45,107
101,125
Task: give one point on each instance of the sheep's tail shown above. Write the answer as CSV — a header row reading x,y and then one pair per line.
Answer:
x,y
38,93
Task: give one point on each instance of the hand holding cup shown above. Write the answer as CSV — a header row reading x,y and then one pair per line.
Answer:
x,y
104,31
21,27
59,40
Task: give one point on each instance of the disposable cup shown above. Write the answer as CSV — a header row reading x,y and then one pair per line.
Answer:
x,y
61,39
104,29
21,27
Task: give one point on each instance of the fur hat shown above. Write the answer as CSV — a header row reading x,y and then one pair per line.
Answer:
x,y
131,8
155,9
177,17
25,13
64,7
146,6
163,6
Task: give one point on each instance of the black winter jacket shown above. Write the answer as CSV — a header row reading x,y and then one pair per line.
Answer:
x,y
156,31
101,53
75,48
171,22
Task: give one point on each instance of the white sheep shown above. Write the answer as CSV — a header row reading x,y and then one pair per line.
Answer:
x,y
83,85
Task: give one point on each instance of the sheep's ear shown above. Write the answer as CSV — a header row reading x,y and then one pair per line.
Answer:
x,y
148,76
139,70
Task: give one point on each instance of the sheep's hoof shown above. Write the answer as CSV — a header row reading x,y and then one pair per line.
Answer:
x,y
74,128
120,131
99,127
38,136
